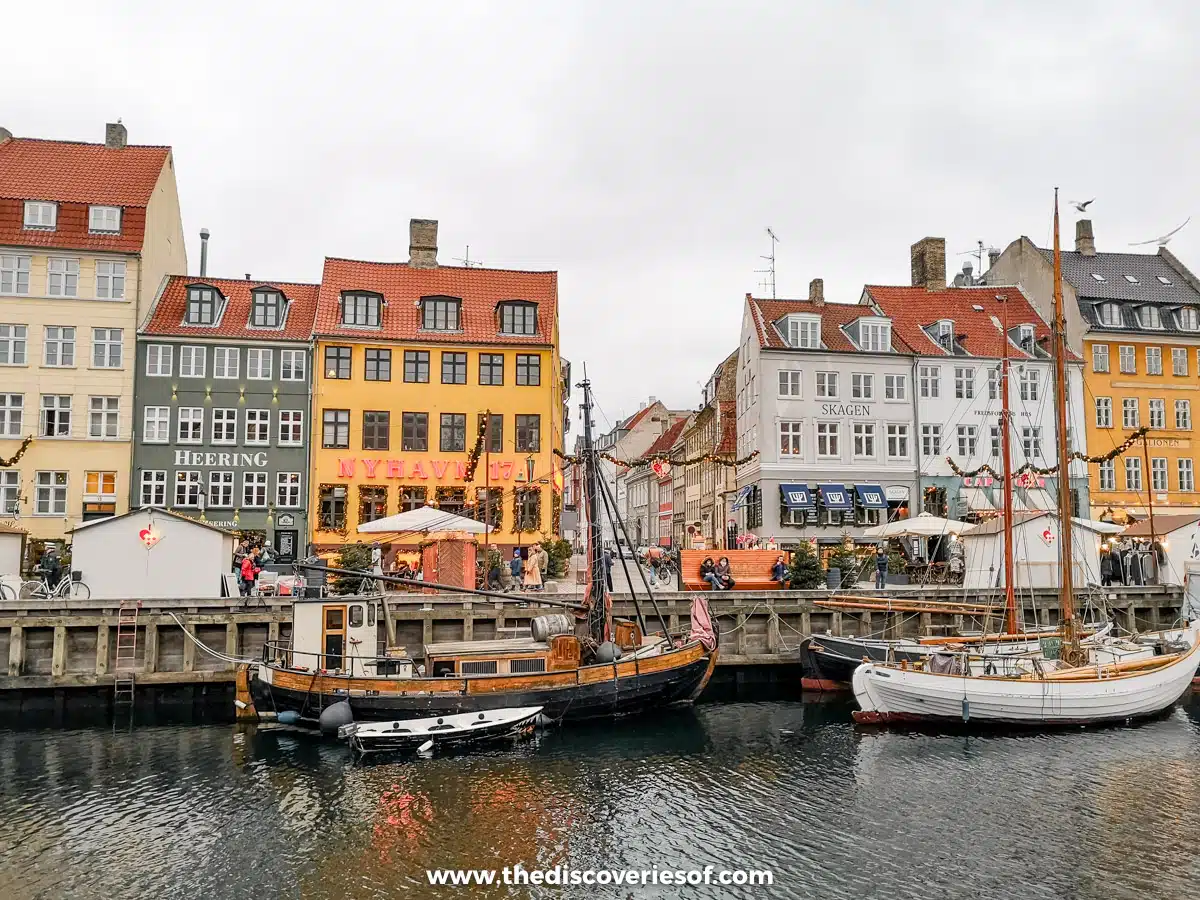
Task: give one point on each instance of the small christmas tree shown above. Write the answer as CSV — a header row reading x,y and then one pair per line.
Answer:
x,y
804,572
351,556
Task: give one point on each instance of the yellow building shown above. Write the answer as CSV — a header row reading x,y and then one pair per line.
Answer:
x,y
409,359
87,233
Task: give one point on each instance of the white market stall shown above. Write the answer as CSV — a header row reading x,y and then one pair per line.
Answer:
x,y
12,551
151,554
1036,538
1179,537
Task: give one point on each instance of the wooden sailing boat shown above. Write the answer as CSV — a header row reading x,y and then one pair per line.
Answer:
x,y
613,669
1117,681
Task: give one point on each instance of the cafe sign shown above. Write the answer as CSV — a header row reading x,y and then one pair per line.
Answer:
x,y
1024,480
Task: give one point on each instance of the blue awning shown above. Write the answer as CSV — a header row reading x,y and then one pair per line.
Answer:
x,y
835,496
796,496
871,496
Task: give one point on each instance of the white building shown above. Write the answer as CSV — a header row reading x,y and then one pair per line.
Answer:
x,y
825,395
1036,537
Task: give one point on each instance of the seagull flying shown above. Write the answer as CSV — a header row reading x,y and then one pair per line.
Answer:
x,y
1164,239
1082,207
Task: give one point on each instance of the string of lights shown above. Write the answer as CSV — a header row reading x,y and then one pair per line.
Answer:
x,y
651,460
1119,450
16,457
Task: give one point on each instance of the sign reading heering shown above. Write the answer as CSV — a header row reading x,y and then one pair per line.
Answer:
x,y
224,460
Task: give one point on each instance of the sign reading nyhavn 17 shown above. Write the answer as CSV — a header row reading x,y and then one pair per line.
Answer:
x,y
349,467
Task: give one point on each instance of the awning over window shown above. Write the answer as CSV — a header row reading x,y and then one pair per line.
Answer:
x,y
871,496
796,496
835,496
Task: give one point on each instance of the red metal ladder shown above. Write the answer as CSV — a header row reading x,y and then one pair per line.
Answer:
x,y
123,667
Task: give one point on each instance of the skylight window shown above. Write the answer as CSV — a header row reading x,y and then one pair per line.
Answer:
x,y
1099,278
976,307
1131,279
1162,279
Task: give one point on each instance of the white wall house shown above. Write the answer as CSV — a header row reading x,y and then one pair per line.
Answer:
x,y
1036,539
825,395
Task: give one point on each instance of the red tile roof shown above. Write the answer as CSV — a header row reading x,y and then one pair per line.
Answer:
x,y
75,175
833,317
668,438
912,309
402,286
728,419
166,318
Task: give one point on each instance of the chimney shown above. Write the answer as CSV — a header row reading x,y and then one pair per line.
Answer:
x,y
816,292
203,252
115,136
1085,241
929,264
993,258
422,243
5,134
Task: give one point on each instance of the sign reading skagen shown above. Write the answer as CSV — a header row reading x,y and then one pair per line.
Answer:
x,y
225,460
845,409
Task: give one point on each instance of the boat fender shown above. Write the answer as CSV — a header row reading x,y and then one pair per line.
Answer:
x,y
966,710
608,652
334,717
288,717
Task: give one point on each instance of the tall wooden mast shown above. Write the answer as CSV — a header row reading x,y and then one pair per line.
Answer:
x,y
1069,624
1010,594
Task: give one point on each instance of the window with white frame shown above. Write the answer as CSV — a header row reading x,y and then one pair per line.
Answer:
x,y
291,427
803,333
10,492
964,383
187,488
254,489
791,383
104,415
1104,411
1158,413
220,489
1128,359
58,347
1110,315
1099,357
39,214
193,361
291,365
829,440
1133,473
12,413
224,426
14,274
62,277
107,345
1108,475
258,364
110,279
791,438
863,440
929,381
876,337
1130,415
1179,361
287,489
1031,442
1187,475
266,309
154,487
56,416
1183,415
361,310
897,441
1154,360
104,219
1148,317
1030,384
968,440
994,434
156,424
159,360
13,344
201,306
827,385
226,362
1158,473
100,488
191,425
1189,319
50,493
258,426
993,380
895,387
862,386
931,440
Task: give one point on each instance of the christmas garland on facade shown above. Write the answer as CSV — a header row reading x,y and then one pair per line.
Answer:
x,y
650,460
1132,438
519,525
16,457
473,459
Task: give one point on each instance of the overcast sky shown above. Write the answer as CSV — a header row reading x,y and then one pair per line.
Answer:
x,y
638,148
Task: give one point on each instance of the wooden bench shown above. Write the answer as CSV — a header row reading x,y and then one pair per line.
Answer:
x,y
751,569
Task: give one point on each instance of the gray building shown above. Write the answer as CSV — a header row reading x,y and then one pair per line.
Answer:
x,y
222,395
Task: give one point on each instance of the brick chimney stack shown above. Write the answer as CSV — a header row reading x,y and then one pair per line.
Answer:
x,y
1085,241
929,264
816,292
422,243
115,136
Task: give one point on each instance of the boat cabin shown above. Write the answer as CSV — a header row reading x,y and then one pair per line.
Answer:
x,y
512,656
341,635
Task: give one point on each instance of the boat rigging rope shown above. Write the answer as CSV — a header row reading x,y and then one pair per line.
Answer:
x,y
237,661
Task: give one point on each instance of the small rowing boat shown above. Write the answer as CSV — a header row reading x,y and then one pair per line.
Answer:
x,y
413,734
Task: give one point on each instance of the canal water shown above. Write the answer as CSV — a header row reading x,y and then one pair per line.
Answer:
x,y
220,811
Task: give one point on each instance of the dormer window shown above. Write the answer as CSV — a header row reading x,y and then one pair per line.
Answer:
x,y
41,215
876,337
266,309
803,332
201,306
104,219
1189,319
1149,317
518,317
945,335
361,310
1025,338
1110,315
441,314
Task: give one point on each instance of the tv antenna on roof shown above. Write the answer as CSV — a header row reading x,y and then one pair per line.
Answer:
x,y
978,253
466,260
770,270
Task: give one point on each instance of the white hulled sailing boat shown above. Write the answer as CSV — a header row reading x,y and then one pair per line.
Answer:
x,y
1107,681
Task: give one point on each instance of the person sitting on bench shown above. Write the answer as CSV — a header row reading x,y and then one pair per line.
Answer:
x,y
724,576
779,570
708,572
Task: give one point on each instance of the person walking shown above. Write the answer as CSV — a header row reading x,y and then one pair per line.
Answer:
x,y
533,575
249,572
543,562
881,566
607,562
515,568
1106,567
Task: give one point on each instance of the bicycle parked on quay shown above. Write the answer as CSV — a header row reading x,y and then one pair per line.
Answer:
x,y
70,587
